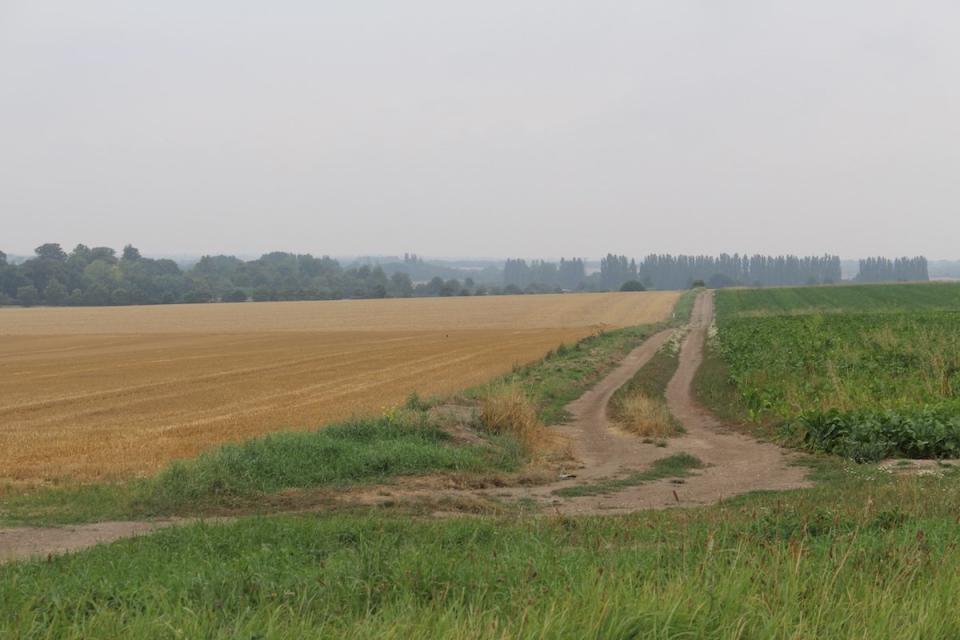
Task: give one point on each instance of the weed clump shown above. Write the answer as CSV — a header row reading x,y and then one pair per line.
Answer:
x,y
507,410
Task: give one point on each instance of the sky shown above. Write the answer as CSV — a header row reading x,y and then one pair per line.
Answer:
x,y
534,128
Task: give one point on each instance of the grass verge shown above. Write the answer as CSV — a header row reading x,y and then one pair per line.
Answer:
x,y
401,442
868,555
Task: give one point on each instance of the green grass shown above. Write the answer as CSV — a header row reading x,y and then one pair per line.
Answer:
x,y
714,388
683,309
365,450
678,465
866,556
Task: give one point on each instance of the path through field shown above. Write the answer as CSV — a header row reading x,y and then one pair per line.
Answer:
x,y
736,464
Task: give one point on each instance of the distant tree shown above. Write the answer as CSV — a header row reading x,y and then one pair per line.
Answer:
x,y
106,254
881,269
101,272
517,273
400,285
632,285
434,287
237,295
721,281
55,293
131,253
263,294
196,297
698,284
82,253
97,295
51,251
120,296
615,270
28,295
450,288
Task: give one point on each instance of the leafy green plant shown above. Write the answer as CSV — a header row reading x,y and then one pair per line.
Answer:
x,y
866,372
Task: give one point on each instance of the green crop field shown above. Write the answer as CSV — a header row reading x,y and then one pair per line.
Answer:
x,y
841,299
866,371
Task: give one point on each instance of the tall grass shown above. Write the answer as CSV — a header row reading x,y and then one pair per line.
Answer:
x,y
645,416
507,410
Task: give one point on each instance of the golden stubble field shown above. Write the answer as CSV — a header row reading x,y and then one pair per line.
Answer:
x,y
107,393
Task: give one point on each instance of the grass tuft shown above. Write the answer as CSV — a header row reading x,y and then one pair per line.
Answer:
x,y
645,416
507,410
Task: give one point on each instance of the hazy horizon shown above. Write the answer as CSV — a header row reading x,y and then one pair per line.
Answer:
x,y
347,258
503,129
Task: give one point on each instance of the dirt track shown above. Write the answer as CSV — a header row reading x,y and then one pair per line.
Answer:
x,y
736,463
26,542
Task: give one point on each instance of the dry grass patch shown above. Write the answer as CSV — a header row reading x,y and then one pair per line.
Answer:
x,y
645,416
506,410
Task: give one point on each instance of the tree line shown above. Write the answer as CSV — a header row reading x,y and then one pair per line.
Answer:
x,y
567,274
725,270
664,271
99,276
898,270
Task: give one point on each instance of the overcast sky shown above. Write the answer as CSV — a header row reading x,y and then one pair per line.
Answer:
x,y
494,128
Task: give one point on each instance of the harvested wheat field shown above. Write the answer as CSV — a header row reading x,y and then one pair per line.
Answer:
x,y
100,393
